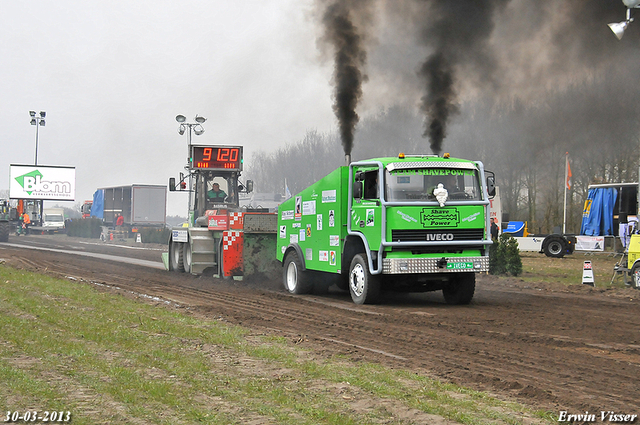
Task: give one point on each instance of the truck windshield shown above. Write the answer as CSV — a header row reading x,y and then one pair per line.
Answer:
x,y
417,185
53,217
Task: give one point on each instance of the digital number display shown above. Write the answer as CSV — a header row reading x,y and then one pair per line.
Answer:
x,y
216,157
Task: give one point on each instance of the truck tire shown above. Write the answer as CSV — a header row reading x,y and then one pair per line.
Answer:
x,y
554,246
175,256
4,231
186,257
635,276
296,280
460,290
364,287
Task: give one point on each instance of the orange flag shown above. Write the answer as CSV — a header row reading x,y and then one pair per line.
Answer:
x,y
568,174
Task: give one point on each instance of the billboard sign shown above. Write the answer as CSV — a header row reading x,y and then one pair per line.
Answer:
x,y
42,182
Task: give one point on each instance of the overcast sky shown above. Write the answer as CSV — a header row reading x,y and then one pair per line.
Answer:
x,y
113,75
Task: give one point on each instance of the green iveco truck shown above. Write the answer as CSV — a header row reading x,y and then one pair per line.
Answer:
x,y
411,223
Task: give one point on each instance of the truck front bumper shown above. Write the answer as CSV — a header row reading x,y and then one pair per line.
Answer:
x,y
434,265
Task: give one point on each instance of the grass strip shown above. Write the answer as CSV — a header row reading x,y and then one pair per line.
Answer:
x,y
150,364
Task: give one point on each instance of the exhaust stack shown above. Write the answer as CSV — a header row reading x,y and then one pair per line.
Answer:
x,y
347,159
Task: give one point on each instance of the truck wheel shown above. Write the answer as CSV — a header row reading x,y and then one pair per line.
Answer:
x,y
296,281
175,256
186,257
460,290
554,246
364,287
635,276
4,232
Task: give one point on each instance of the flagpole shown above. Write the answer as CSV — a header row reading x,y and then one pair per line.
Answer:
x,y
566,176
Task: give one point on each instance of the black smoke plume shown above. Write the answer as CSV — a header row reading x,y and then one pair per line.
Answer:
x,y
457,32
342,33
438,103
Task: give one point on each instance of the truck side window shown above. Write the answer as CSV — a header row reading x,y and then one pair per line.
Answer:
x,y
371,185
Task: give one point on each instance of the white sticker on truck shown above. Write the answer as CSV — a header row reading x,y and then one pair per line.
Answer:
x,y
179,235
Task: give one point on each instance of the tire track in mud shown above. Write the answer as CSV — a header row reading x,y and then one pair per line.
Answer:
x,y
539,348
532,370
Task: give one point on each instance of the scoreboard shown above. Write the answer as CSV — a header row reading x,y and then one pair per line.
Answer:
x,y
227,158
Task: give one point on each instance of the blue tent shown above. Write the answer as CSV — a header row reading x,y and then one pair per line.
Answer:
x,y
597,215
97,208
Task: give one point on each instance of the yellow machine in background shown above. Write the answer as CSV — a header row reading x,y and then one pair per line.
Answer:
x,y
632,271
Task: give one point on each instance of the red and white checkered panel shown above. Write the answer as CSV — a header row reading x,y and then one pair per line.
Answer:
x,y
232,246
236,220
230,238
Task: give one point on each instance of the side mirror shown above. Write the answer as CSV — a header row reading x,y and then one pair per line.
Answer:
x,y
249,186
172,184
357,190
491,185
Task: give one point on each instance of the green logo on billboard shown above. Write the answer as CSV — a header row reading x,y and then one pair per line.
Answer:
x,y
439,217
27,181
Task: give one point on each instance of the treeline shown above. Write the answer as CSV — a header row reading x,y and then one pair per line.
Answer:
x,y
524,144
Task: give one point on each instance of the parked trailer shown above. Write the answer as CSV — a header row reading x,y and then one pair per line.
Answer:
x,y
139,205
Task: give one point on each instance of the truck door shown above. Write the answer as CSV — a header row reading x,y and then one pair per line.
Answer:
x,y
366,214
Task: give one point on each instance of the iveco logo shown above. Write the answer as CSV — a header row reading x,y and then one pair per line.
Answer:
x,y
439,236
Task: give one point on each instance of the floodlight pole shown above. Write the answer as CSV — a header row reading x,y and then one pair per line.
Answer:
x,y
199,129
37,120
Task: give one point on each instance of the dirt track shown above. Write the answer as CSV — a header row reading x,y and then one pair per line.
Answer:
x,y
558,349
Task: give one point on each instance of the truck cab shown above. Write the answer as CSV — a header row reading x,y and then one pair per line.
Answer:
x,y
53,220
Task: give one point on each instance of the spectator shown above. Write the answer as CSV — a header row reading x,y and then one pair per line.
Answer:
x,y
495,230
27,222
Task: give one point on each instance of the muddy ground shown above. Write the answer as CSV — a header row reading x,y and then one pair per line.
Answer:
x,y
549,346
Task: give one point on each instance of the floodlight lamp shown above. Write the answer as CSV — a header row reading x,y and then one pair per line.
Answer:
x,y
42,122
618,28
43,114
181,129
33,122
198,130
181,118
32,113
200,120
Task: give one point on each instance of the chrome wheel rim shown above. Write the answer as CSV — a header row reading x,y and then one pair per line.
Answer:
x,y
292,276
356,280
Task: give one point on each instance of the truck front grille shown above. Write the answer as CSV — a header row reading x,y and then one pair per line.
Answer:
x,y
421,235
